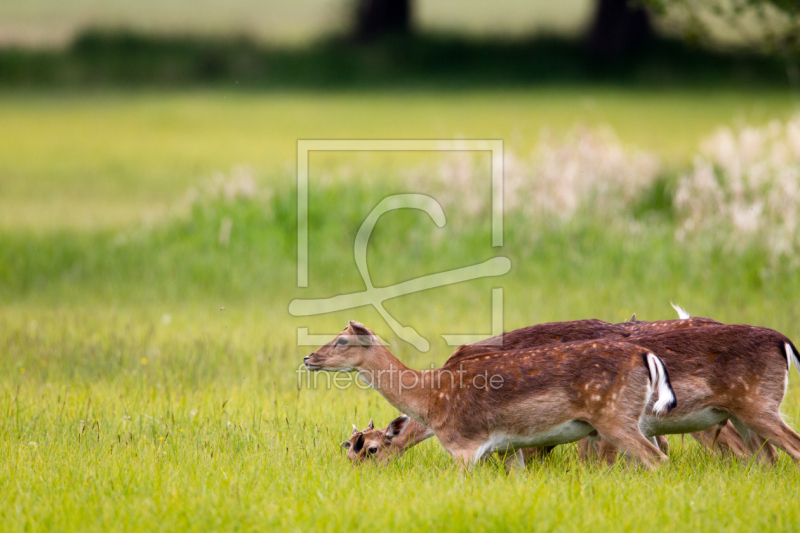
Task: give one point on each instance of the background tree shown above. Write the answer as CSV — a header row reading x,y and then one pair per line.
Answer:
x,y
377,18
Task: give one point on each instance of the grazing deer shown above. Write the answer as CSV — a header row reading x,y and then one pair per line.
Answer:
x,y
383,444
571,331
722,437
735,372
509,400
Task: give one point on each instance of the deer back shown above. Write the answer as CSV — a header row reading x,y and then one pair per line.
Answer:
x,y
541,335
659,326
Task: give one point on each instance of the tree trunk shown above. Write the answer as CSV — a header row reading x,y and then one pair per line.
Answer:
x,y
377,18
619,27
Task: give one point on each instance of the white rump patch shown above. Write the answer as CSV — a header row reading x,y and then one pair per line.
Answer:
x,y
791,355
658,376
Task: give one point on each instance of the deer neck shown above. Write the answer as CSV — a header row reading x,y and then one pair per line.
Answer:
x,y
413,435
403,387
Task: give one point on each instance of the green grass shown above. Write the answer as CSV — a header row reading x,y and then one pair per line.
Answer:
x,y
148,372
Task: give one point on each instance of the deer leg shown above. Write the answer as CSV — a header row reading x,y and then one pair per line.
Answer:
x,y
607,452
514,460
704,438
589,447
723,439
465,454
662,443
729,441
755,445
598,449
716,434
536,452
770,426
628,438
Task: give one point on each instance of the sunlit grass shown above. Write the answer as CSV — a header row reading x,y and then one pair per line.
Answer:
x,y
169,428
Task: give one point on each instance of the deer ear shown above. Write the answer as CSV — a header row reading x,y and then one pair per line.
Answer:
x,y
346,445
633,318
355,430
397,426
371,425
363,334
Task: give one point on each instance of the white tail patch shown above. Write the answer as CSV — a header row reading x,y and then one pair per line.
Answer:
x,y
791,355
682,314
658,376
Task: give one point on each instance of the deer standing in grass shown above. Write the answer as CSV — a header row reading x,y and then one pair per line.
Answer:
x,y
735,372
502,401
529,337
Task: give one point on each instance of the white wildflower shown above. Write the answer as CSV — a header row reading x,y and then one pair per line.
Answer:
x,y
745,189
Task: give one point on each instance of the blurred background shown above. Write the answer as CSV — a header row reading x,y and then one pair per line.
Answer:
x,y
148,153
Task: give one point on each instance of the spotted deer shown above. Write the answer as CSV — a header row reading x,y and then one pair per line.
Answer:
x,y
735,372
501,401
542,334
723,438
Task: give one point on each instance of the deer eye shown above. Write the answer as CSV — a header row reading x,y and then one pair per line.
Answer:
x,y
372,450
341,342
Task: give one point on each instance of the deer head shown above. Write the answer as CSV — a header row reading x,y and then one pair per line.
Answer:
x,y
346,352
376,444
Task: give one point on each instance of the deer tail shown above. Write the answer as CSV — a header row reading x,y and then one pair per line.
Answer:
x,y
791,355
660,380
682,314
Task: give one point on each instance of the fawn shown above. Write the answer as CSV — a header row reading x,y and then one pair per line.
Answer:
x,y
383,444
509,400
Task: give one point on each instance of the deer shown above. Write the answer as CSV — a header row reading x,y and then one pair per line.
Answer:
x,y
382,445
735,373
727,374
539,335
499,401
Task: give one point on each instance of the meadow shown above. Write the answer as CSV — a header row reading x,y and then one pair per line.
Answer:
x,y
149,370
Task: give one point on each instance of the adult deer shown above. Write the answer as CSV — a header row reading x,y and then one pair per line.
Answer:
x,y
509,400
735,372
540,335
